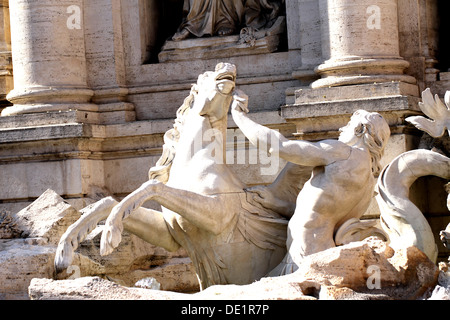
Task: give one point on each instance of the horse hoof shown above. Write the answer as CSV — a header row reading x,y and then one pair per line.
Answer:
x,y
63,256
111,237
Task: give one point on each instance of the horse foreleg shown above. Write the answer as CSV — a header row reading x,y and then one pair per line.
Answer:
x,y
211,213
147,224
78,231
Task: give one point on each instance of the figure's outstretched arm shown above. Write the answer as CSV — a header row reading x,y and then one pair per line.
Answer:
x,y
300,152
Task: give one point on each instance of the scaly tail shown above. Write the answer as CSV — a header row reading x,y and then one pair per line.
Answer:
x,y
78,231
400,218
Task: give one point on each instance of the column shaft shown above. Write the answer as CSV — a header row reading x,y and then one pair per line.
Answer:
x,y
48,57
360,42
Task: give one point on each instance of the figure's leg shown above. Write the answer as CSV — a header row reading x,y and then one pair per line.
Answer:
x,y
210,213
310,240
181,35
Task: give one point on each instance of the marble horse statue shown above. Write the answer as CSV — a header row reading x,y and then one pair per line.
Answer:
x,y
206,209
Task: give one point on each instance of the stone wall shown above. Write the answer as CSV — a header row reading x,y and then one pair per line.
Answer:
x,y
89,99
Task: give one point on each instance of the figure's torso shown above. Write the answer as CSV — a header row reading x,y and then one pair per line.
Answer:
x,y
336,192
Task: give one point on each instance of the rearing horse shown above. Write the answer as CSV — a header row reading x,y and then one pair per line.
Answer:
x,y
206,209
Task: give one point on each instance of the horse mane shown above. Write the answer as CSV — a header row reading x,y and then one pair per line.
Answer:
x,y
161,170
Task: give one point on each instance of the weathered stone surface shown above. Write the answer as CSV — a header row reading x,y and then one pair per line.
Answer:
x,y
41,225
8,228
136,259
175,274
95,288
442,290
19,263
403,274
334,274
90,288
48,217
24,259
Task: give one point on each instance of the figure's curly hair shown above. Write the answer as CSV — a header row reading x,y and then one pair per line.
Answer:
x,y
375,132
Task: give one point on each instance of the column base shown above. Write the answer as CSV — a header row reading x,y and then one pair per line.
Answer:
x,y
24,116
319,113
39,100
45,99
361,70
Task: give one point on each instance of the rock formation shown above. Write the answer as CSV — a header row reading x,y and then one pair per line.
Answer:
x,y
364,270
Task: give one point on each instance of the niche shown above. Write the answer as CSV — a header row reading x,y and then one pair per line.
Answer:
x,y
443,53
159,21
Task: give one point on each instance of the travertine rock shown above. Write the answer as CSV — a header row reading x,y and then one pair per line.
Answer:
x,y
8,228
442,290
48,217
373,268
21,262
95,288
24,259
89,288
43,222
337,273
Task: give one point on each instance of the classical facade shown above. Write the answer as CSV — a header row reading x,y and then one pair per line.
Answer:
x,y
88,88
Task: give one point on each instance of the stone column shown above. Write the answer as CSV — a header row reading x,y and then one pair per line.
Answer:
x,y
360,42
6,79
48,53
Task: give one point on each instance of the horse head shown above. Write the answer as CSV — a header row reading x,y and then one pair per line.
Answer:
x,y
213,92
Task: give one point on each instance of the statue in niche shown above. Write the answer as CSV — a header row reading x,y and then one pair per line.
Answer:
x,y
341,185
226,17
